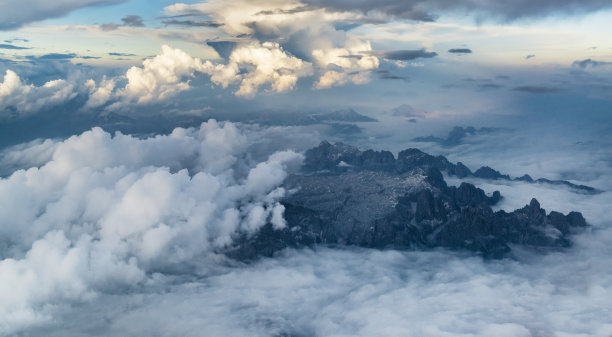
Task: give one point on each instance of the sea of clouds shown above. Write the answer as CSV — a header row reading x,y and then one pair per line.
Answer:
x,y
104,235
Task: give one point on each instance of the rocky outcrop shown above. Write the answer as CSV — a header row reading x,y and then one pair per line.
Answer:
x,y
371,199
341,157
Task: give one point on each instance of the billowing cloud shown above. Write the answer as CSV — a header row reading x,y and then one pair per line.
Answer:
x,y
108,212
271,64
251,66
161,76
16,13
20,98
308,34
100,94
345,64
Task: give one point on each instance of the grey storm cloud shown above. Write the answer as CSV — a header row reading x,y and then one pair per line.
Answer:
x,y
590,63
403,55
16,13
10,46
460,51
427,10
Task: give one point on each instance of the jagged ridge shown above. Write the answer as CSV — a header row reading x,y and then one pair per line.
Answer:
x,y
371,199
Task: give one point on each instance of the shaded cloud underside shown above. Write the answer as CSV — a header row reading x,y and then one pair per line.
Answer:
x,y
16,13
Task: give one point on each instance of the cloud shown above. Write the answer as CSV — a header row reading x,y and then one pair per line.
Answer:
x,y
16,13
403,55
161,76
191,23
388,75
422,10
345,64
250,66
100,94
271,65
534,89
127,21
356,292
460,51
306,33
408,111
164,75
16,39
105,213
132,21
10,46
590,63
59,57
15,96
223,48
31,154
490,86
53,56
121,54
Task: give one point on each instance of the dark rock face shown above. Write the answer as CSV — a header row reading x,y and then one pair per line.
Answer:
x,y
486,172
370,199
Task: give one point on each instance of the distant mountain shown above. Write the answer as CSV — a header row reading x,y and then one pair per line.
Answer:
x,y
345,196
344,115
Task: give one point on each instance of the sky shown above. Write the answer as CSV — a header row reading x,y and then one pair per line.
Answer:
x,y
440,56
137,137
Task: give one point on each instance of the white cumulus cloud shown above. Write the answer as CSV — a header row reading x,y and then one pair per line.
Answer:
x,y
27,98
